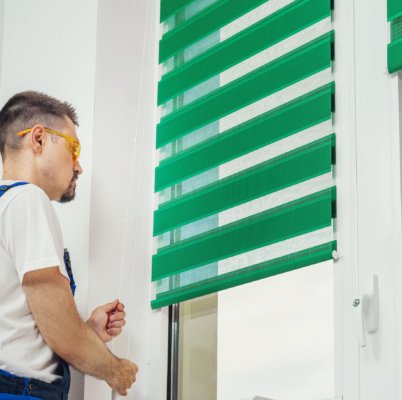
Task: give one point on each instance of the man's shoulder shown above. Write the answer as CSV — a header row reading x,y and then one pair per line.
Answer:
x,y
18,195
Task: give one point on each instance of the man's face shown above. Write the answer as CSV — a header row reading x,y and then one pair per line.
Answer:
x,y
60,171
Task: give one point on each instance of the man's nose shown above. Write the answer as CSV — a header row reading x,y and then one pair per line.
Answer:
x,y
77,168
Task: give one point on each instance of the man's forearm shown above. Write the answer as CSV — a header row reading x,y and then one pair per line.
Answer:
x,y
53,308
88,354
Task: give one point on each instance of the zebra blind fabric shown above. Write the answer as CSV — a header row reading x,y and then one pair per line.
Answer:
x,y
395,46
245,141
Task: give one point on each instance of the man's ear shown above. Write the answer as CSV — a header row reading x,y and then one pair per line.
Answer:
x,y
37,138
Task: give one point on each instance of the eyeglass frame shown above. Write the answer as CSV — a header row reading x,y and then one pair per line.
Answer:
x,y
73,144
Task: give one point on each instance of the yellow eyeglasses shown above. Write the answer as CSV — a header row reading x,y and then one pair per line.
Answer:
x,y
72,144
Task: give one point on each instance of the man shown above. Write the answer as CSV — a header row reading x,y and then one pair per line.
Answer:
x,y
41,331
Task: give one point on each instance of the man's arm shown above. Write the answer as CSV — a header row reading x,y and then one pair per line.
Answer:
x,y
53,308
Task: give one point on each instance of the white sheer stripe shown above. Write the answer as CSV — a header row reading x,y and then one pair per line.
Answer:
x,y
276,250
252,207
276,99
276,149
252,17
247,259
276,51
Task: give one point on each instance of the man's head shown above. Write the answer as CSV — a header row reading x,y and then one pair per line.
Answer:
x,y
38,143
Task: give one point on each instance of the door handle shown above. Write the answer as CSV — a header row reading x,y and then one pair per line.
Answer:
x,y
366,313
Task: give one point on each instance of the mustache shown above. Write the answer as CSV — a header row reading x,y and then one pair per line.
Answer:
x,y
75,177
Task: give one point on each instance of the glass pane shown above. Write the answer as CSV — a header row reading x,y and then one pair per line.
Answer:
x,y
198,349
270,339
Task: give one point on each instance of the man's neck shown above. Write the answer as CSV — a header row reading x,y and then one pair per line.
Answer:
x,y
14,172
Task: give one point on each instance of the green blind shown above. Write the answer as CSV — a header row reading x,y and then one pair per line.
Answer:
x,y
245,141
395,46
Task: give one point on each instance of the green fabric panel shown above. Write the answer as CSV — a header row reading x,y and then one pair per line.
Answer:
x,y
395,47
211,19
170,7
395,56
394,9
274,125
283,171
280,223
245,44
277,266
289,69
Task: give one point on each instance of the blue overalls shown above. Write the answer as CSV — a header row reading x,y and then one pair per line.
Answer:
x,y
13,387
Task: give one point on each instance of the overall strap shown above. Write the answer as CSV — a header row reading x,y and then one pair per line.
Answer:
x,y
67,263
4,188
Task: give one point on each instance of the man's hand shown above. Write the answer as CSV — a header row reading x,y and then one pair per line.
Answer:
x,y
123,376
108,320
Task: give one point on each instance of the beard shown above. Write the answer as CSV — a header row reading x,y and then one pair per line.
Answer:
x,y
69,194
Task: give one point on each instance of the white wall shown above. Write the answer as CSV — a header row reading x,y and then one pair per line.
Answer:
x,y
1,40
122,187
49,46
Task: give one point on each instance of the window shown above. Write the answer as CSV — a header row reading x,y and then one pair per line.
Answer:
x,y
269,339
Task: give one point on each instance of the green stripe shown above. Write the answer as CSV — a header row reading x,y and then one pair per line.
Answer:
x,y
284,222
395,47
295,116
211,19
170,7
283,171
394,9
289,69
263,270
271,30
395,56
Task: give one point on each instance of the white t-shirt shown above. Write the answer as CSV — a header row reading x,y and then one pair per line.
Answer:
x,y
30,239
